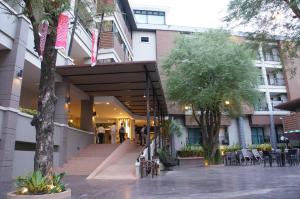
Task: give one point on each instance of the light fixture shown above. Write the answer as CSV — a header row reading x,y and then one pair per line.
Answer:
x,y
71,121
68,100
227,102
20,74
107,103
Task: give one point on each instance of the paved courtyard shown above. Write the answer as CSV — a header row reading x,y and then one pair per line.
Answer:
x,y
210,182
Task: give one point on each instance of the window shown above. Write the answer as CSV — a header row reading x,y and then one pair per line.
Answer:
x,y
149,17
257,134
271,53
225,141
145,39
194,136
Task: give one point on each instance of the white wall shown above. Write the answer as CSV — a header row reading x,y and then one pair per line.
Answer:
x,y
233,133
247,131
143,51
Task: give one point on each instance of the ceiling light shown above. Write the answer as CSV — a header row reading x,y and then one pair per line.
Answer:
x,y
107,103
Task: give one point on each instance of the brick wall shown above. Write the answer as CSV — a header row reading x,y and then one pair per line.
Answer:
x,y
106,40
291,122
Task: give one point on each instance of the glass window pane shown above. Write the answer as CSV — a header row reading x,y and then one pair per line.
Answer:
x,y
141,18
152,19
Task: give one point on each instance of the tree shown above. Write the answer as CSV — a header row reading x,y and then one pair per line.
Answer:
x,y
37,11
269,19
214,76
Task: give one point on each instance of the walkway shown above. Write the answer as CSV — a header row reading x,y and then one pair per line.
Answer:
x,y
207,183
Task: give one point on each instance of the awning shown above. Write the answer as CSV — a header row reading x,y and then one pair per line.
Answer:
x,y
290,106
125,81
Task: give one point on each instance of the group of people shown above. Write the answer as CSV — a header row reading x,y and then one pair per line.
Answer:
x,y
100,134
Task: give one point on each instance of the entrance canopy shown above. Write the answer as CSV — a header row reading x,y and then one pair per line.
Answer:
x,y
125,81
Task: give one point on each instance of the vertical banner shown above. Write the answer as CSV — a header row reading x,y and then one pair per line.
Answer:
x,y
62,31
95,35
43,31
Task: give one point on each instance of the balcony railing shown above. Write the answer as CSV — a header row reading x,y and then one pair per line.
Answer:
x,y
275,103
276,82
261,107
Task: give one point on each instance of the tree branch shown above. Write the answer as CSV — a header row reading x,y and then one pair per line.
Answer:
x,y
294,7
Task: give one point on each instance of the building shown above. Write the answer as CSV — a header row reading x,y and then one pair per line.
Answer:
x,y
262,124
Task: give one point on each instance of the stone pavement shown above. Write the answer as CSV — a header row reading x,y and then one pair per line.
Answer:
x,y
241,182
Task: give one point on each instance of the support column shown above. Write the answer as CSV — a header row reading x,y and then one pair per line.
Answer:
x,y
241,130
11,62
155,129
86,117
148,115
62,92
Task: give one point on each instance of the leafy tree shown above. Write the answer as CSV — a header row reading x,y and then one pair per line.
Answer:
x,y
37,11
269,19
213,75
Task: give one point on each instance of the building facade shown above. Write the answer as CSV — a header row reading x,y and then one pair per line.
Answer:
x,y
257,125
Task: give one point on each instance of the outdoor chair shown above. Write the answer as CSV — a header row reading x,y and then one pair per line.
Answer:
x,y
246,156
230,158
257,156
292,157
270,157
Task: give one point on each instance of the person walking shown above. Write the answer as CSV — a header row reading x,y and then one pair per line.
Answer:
x,y
101,132
122,133
113,132
143,134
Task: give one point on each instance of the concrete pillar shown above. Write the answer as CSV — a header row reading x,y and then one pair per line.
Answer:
x,y
11,62
86,117
62,92
241,130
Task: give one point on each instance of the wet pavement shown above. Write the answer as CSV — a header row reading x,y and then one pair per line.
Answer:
x,y
242,182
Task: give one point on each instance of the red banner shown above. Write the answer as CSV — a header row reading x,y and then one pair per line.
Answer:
x,y
94,47
62,31
43,31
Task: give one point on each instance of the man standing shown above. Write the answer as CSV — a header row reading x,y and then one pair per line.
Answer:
x,y
101,132
122,133
113,132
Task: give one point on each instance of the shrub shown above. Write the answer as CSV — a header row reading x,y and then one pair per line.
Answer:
x,y
264,147
191,151
35,184
29,111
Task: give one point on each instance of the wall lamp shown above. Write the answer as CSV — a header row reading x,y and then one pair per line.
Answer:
x,y
20,74
68,100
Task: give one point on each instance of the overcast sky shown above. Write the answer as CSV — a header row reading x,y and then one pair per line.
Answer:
x,y
198,13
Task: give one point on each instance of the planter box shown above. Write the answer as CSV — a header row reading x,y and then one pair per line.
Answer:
x,y
63,195
191,161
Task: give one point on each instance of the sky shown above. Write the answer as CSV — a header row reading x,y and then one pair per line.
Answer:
x,y
197,13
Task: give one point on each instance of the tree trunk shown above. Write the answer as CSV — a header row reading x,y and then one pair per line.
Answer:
x,y
44,121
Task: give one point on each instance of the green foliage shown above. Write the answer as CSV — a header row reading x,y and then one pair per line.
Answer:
x,y
35,184
173,127
29,111
166,158
207,69
231,148
252,146
264,147
268,19
191,151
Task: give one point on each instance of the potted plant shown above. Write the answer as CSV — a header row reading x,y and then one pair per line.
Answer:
x,y
35,185
265,147
191,155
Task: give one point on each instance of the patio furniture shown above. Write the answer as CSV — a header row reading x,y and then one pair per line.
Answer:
x,y
270,157
257,156
246,157
230,158
292,157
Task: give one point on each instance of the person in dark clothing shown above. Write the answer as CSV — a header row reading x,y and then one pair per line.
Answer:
x,y
122,133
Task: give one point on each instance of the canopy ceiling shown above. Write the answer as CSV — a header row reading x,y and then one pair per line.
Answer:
x,y
125,81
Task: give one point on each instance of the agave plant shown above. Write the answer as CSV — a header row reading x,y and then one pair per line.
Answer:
x,y
35,183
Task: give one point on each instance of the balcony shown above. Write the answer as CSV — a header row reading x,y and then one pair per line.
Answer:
x,y
261,107
276,81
